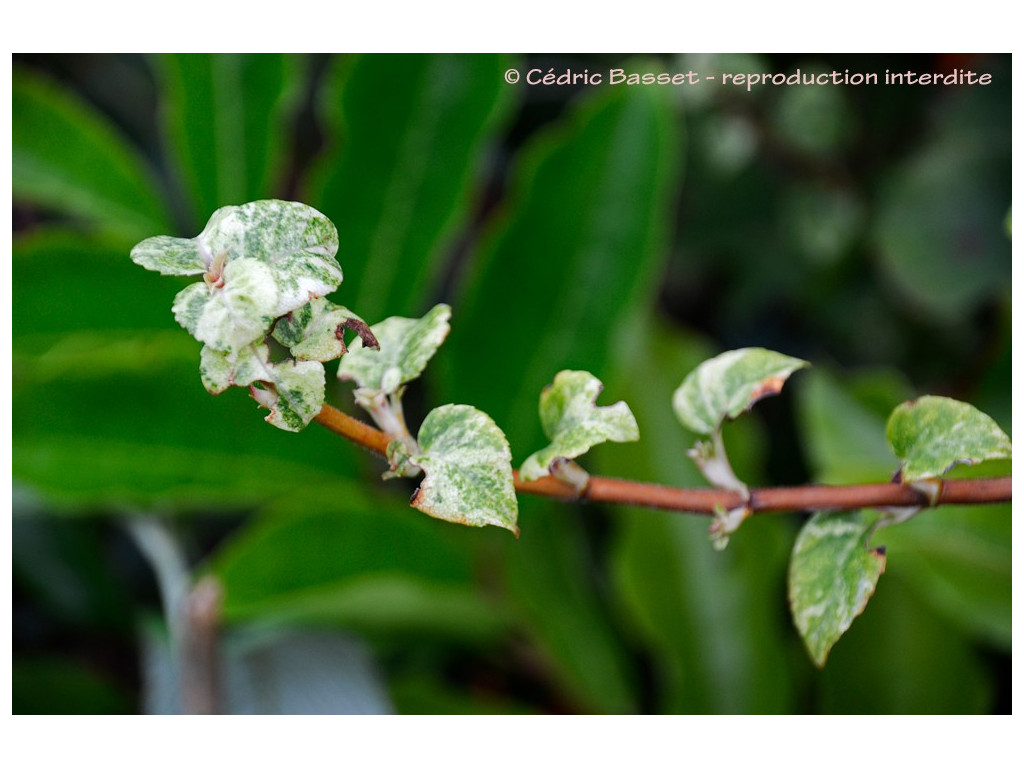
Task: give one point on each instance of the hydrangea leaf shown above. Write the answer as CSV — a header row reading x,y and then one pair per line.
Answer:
x,y
727,385
574,423
931,434
832,575
406,346
293,390
315,331
232,312
296,242
468,469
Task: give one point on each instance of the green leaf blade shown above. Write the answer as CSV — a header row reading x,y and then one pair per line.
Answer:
x,y
225,118
468,468
588,264
406,346
418,156
574,423
932,434
727,385
832,575
67,157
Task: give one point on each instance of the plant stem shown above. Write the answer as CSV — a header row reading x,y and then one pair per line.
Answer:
x,y
704,500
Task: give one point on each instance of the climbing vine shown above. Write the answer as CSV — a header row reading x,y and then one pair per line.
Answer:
x,y
265,325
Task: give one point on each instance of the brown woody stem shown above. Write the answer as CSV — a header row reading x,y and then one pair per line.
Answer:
x,y
704,500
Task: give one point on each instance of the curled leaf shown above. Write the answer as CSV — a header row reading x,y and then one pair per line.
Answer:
x,y
315,331
574,423
406,346
932,434
468,469
832,575
727,385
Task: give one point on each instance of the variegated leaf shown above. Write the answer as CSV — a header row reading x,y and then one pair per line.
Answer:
x,y
468,469
233,312
315,331
297,243
406,346
832,575
293,390
727,385
574,423
931,434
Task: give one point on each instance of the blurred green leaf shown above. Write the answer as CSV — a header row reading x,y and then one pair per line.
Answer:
x,y
898,658
67,157
90,473
813,118
60,273
342,560
578,247
843,426
54,685
410,132
960,560
226,119
931,434
560,599
939,227
713,622
832,576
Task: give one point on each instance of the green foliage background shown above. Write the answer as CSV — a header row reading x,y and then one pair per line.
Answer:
x,y
629,231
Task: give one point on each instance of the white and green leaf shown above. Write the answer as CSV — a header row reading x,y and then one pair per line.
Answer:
x,y
293,390
406,346
315,331
574,423
932,434
171,255
297,243
727,385
832,575
467,465
232,312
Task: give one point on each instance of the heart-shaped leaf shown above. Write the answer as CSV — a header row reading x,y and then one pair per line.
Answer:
x,y
727,385
832,575
931,434
315,331
468,469
574,423
406,346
